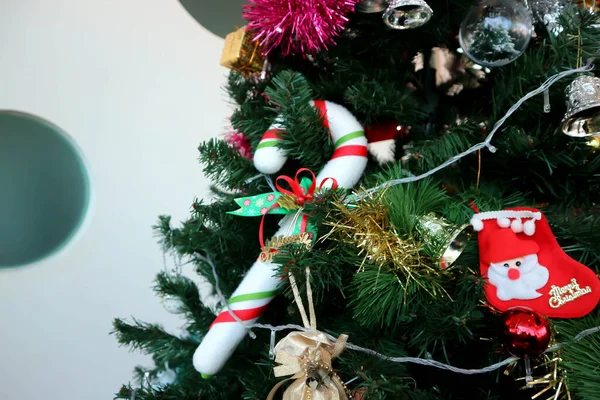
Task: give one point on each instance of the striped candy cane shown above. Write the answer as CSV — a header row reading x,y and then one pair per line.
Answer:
x,y
259,286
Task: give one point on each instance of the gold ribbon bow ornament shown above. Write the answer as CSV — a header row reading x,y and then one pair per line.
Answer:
x,y
307,357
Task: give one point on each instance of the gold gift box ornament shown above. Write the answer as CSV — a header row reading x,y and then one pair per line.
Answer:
x,y
242,53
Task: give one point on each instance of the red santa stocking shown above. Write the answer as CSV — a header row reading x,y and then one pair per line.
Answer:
x,y
524,266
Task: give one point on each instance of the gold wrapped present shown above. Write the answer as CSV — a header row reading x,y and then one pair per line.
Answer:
x,y
241,53
592,5
306,356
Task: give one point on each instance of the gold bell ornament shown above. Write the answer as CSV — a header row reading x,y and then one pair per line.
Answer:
x,y
583,107
443,240
307,357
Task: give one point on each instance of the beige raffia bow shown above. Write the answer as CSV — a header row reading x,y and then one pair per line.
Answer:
x,y
306,356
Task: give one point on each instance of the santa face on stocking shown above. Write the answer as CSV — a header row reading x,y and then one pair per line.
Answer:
x,y
519,278
524,266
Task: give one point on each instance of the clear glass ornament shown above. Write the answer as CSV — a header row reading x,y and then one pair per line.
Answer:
x,y
496,32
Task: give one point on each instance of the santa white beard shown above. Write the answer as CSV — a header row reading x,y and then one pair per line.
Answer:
x,y
533,276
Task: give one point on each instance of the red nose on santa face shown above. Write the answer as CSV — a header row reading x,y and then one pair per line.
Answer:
x,y
513,274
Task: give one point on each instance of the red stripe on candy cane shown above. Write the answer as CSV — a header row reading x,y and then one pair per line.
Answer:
x,y
345,151
303,223
273,134
245,315
322,110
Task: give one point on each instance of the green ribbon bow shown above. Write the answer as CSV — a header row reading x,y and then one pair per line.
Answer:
x,y
267,203
260,204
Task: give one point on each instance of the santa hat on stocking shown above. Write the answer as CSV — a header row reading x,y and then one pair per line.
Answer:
x,y
524,266
504,244
382,140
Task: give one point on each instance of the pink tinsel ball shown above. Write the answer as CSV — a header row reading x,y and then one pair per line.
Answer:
x,y
297,26
239,141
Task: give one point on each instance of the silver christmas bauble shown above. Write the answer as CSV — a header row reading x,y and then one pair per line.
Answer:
x,y
496,32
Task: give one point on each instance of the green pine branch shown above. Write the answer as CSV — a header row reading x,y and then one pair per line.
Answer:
x,y
153,339
290,94
185,290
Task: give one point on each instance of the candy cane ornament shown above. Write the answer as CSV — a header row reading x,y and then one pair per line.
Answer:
x,y
259,286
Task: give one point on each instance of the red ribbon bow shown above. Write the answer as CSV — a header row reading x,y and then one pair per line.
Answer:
x,y
297,191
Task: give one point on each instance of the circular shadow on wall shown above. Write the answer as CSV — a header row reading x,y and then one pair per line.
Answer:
x,y
44,189
219,17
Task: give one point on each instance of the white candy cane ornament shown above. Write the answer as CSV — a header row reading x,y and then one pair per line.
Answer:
x,y
259,286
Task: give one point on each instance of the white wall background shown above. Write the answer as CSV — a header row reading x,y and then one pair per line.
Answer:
x,y
137,83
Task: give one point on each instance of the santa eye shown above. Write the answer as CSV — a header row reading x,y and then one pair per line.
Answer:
x,y
518,263
506,265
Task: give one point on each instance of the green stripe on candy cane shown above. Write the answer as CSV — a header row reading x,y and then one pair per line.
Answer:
x,y
349,136
270,143
252,296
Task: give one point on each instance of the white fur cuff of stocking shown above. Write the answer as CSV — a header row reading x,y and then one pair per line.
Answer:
x,y
522,221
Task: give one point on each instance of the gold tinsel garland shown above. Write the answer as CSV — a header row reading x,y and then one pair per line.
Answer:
x,y
549,378
365,225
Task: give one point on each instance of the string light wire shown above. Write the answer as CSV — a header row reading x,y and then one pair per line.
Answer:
x,y
413,360
487,142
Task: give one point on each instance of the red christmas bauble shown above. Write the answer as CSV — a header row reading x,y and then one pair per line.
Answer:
x,y
526,333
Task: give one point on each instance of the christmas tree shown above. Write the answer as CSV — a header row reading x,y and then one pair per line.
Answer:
x,y
492,41
366,278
